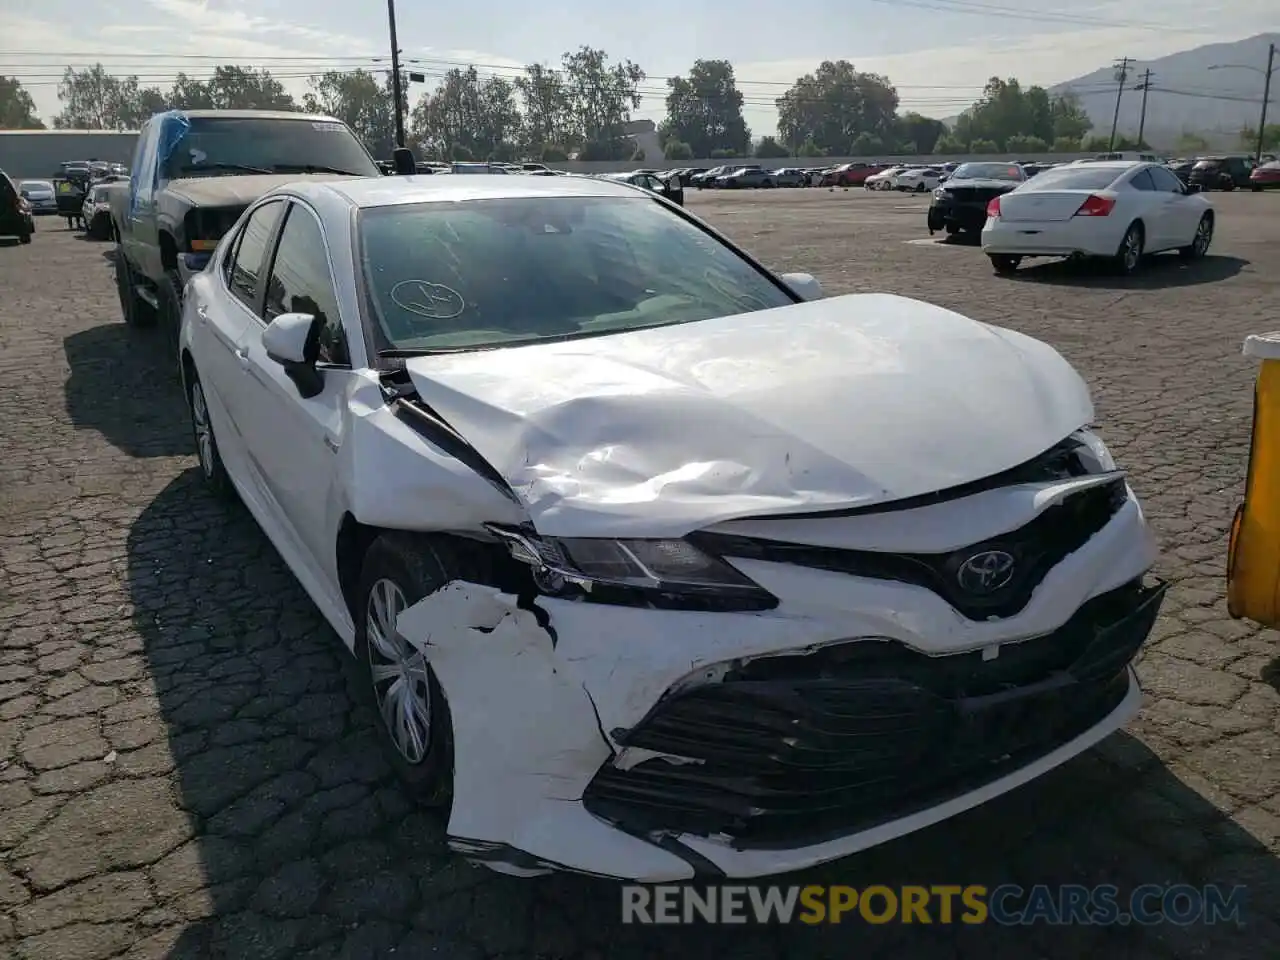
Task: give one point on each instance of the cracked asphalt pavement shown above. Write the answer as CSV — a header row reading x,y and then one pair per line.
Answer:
x,y
185,770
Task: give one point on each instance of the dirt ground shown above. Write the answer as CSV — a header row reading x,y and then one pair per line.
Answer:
x,y
184,771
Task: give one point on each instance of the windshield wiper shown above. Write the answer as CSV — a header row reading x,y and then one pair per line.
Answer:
x,y
223,166
313,168
404,354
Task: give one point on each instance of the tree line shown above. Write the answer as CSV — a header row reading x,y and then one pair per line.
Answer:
x,y
581,108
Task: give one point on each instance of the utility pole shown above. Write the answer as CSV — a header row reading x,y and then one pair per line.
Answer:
x,y
1144,86
397,91
1122,74
1266,95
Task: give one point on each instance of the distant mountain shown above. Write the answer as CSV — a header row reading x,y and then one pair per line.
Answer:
x,y
1185,94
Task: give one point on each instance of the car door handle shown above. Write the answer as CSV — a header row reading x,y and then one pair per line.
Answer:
x,y
243,357
203,313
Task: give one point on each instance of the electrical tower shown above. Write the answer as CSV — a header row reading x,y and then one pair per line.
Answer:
x,y
1145,86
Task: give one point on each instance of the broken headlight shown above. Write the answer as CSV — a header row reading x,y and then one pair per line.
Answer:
x,y
669,573
1092,452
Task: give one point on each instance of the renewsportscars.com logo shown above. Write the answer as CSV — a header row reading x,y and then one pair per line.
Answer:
x,y
1004,905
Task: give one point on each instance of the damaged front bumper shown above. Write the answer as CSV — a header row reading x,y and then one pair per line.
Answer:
x,y
658,745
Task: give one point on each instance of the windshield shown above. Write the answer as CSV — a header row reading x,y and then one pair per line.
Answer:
x,y
488,273
1207,164
36,185
218,145
1076,178
987,171
98,195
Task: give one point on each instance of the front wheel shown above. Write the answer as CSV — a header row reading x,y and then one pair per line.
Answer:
x,y
1199,245
399,571
136,312
1003,263
920,188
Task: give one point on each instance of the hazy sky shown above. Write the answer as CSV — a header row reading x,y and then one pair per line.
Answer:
x,y
937,52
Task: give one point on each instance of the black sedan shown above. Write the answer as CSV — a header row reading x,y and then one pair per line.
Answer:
x,y
670,188
746,177
960,202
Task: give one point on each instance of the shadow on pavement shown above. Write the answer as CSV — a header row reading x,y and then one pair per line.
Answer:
x,y
1158,272
305,847
122,384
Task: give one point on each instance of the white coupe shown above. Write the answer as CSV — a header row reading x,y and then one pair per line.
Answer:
x,y
1120,210
658,564
918,179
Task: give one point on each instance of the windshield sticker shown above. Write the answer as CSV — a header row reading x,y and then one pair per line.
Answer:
x,y
328,127
431,300
198,156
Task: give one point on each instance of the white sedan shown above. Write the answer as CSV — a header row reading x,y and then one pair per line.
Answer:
x,y
884,179
1121,210
918,179
657,563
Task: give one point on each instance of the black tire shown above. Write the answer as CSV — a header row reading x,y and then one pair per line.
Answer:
x,y
169,296
1128,256
920,187
1257,189
135,311
417,567
25,236
1003,263
952,229
768,184
1203,238
212,470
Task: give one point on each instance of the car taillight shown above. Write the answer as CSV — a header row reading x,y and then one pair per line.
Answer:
x,y
993,208
1096,206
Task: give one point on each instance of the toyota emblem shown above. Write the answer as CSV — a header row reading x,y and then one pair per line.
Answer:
x,y
986,572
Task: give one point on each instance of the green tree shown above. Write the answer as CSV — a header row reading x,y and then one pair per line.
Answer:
x,y
1025,144
234,87
17,109
984,146
677,150
1190,142
545,117
770,149
189,94
1066,144
599,98
362,102
866,145
949,144
478,116
922,131
92,99
1270,137
810,149
705,109
723,154
1069,118
834,104
553,153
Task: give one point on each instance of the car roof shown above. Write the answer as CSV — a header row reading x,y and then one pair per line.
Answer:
x,y
257,115
1117,165
368,192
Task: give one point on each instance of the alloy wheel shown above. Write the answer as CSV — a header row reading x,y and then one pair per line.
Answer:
x,y
203,430
1132,250
401,682
1204,236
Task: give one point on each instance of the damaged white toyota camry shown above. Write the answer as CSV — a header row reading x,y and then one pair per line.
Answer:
x,y
659,564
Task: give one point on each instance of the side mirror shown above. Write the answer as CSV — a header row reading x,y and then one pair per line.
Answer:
x,y
803,285
293,341
1193,188
403,162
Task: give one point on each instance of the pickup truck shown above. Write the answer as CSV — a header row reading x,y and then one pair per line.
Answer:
x,y
193,174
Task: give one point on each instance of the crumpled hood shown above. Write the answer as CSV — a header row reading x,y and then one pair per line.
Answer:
x,y
834,403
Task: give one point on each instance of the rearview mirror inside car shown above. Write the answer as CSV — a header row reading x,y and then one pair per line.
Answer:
x,y
293,341
803,285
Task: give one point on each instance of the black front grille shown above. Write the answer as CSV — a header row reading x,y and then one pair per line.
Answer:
x,y
798,749
1035,550
974,194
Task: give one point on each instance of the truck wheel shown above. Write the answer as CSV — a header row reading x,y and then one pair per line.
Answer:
x,y
136,312
170,299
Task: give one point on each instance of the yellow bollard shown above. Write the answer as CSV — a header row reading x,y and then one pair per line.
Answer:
x,y
1253,554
